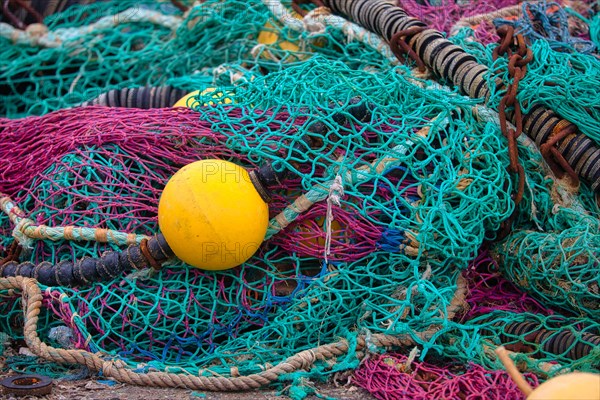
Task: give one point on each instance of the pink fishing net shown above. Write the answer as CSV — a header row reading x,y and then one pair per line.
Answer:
x,y
444,14
392,377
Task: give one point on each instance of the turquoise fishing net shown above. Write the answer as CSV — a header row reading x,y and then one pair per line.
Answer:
x,y
404,233
89,63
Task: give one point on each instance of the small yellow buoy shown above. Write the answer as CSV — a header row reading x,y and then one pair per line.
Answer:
x,y
267,36
193,103
211,215
313,239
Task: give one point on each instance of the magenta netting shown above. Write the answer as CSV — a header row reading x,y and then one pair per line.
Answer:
x,y
395,377
444,15
407,237
94,155
490,291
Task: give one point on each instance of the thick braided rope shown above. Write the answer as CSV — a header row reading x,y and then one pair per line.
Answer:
x,y
32,303
26,229
61,36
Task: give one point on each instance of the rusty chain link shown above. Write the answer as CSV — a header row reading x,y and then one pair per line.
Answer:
x,y
519,55
400,47
302,12
12,253
553,157
20,4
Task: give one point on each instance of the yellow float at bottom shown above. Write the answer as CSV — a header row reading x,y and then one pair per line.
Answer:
x,y
573,386
211,215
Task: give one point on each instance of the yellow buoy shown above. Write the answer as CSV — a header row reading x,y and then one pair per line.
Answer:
x,y
211,215
267,36
193,103
311,238
573,386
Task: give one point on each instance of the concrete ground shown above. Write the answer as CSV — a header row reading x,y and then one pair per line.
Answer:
x,y
92,390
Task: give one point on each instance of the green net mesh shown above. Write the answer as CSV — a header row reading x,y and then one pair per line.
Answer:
x,y
424,180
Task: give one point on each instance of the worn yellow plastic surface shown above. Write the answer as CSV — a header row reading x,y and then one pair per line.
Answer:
x,y
267,36
574,386
310,238
183,102
211,215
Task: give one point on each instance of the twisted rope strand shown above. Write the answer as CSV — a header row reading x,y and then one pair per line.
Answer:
x,y
32,304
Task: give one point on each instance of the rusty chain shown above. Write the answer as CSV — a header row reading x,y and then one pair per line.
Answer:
x,y
519,55
14,20
12,253
179,5
553,157
302,12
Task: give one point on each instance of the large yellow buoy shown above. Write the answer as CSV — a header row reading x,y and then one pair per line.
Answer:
x,y
190,101
572,386
211,215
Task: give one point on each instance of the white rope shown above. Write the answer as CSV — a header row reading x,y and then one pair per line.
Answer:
x,y
336,191
64,36
283,15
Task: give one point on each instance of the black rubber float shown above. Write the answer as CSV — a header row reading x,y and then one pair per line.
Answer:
x,y
27,385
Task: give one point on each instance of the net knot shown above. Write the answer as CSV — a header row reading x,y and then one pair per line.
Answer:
x,y
19,233
314,20
37,30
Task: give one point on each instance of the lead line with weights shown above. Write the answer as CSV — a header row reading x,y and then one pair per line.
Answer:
x,y
151,253
144,97
552,340
556,137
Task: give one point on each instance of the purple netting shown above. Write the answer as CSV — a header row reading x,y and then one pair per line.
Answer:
x,y
111,164
444,14
489,291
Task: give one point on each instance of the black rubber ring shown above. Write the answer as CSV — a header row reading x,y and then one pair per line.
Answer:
x,y
27,385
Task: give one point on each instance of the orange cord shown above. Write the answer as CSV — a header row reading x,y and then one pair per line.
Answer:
x,y
512,370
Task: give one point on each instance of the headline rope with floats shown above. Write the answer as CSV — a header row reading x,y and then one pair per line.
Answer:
x,y
407,224
429,48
